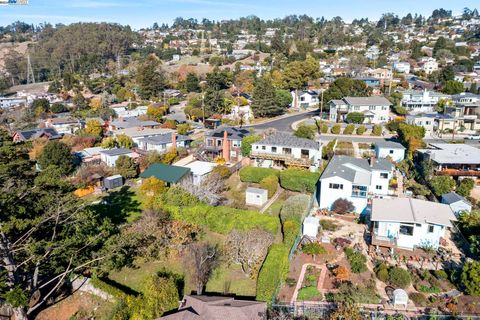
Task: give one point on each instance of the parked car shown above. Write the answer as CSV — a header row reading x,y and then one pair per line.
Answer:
x,y
473,137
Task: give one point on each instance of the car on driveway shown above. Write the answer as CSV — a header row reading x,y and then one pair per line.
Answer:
x,y
473,137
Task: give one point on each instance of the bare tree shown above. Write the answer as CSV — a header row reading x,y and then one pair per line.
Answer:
x,y
249,248
209,190
202,260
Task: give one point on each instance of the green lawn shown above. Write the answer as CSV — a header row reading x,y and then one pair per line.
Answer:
x,y
231,279
121,205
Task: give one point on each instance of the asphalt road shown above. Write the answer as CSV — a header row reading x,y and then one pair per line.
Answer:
x,y
283,124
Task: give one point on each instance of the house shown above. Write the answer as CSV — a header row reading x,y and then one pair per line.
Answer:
x,y
171,175
110,156
456,160
90,155
256,197
304,99
64,125
375,109
371,81
32,134
162,142
353,179
282,149
457,203
429,65
402,67
138,133
417,101
409,223
425,120
393,150
200,170
123,112
132,122
225,143
218,308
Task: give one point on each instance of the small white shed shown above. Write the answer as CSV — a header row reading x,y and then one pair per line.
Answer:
x,y
400,297
256,197
310,226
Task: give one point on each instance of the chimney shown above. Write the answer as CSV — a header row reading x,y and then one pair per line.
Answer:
x,y
226,147
372,161
174,140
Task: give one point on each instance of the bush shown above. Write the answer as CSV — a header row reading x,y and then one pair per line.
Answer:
x,y
176,196
361,130
336,129
441,274
270,183
377,130
342,206
295,208
314,248
324,128
418,298
222,171
328,225
309,293
327,151
355,117
357,260
108,288
470,278
305,131
255,174
382,275
291,230
299,180
274,270
399,277
349,129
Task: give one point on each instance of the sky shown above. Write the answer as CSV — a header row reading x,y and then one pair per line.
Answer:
x,y
143,13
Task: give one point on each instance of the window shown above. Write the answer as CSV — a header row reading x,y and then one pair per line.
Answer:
x,y
263,147
336,186
430,228
391,151
274,149
356,108
406,229
384,108
384,175
372,108
378,187
359,191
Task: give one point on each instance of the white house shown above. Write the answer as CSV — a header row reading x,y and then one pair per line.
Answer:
x,y
110,156
402,67
256,196
418,101
393,150
409,223
375,109
163,142
63,125
283,149
425,120
304,99
354,179
200,170
457,203
139,133
429,66
124,112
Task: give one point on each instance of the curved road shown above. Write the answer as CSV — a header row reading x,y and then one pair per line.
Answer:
x,y
284,124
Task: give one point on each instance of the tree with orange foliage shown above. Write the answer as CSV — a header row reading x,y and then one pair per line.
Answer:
x,y
341,273
37,148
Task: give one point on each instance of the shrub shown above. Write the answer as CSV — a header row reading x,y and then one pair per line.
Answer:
x,y
299,180
324,128
470,278
341,273
309,293
399,277
418,298
361,130
295,208
349,129
382,274
274,270
270,183
108,288
351,294
377,130
335,129
222,171
328,225
427,289
305,131
357,260
441,274
255,174
314,248
327,151
291,229
355,117
342,206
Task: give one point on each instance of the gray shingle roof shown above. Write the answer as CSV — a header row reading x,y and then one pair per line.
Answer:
x,y
453,197
344,167
367,101
163,139
131,122
389,144
36,133
288,140
116,151
232,133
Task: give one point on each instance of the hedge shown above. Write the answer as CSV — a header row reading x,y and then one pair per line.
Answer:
x,y
274,270
349,129
335,129
291,228
361,130
295,208
299,180
224,219
270,183
256,174
108,288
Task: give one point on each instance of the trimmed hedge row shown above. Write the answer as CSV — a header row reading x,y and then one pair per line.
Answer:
x,y
295,208
108,288
224,219
256,174
299,180
274,270
270,183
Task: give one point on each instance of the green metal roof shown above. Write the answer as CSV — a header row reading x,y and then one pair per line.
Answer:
x,y
165,172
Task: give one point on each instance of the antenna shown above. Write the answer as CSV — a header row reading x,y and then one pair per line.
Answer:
x,y
30,75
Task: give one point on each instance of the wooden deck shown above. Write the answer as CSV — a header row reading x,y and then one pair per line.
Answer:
x,y
457,173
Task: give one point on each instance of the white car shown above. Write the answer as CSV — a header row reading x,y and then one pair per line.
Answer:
x,y
473,137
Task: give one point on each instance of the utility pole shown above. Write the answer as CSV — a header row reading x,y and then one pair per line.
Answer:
x,y
321,109
203,108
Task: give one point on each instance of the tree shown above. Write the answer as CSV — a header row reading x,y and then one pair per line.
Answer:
x,y
152,187
249,249
184,128
355,117
399,277
94,128
305,131
411,136
345,311
124,141
470,277
150,78
203,258
108,143
283,98
453,87
442,184
192,83
58,154
342,206
465,186
247,141
297,73
264,103
126,167
345,87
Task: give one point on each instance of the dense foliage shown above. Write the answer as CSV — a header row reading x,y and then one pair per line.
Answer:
x,y
299,180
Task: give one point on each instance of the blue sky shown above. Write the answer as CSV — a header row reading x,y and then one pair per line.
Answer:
x,y
143,13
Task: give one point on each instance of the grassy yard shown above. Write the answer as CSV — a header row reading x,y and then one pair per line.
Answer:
x,y
121,205
231,279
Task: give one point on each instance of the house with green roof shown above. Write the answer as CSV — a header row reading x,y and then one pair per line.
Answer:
x,y
171,175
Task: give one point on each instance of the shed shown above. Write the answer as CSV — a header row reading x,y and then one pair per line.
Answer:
x,y
256,197
400,297
113,182
457,203
310,227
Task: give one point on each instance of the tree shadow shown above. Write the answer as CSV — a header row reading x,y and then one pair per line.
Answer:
x,y
118,205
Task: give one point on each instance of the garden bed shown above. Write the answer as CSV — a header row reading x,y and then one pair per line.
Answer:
x,y
309,290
